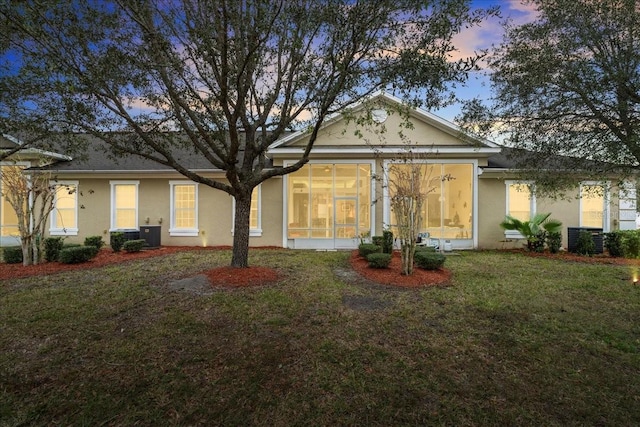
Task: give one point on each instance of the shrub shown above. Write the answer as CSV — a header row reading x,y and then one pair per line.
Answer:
x,y
94,241
631,244
77,254
52,247
134,245
554,241
614,243
430,249
116,240
585,244
387,241
379,260
378,240
429,260
365,249
12,254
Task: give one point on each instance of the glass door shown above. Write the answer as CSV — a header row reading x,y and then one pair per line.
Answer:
x,y
346,221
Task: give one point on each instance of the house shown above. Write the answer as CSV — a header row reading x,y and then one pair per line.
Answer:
x,y
331,201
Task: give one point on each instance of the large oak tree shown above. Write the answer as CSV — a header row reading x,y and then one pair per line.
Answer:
x,y
569,83
225,79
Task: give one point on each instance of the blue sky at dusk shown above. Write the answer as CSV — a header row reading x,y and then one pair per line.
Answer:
x,y
475,39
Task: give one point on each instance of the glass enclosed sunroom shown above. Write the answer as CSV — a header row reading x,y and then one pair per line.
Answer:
x,y
331,204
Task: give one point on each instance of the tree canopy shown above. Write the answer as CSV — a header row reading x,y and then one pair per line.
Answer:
x,y
224,79
569,84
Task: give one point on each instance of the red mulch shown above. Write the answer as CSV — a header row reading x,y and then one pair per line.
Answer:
x,y
104,257
230,277
571,257
392,276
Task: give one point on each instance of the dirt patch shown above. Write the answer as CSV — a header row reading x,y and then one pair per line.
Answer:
x,y
392,276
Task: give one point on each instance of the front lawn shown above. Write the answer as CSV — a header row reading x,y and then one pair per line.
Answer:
x,y
514,340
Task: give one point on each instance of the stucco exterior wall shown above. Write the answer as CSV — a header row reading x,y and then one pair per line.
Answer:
x,y
492,210
215,212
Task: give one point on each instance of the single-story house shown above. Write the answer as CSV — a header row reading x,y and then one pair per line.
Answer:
x,y
339,196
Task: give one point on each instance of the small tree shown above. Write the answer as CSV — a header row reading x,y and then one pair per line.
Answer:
x,y
409,184
31,197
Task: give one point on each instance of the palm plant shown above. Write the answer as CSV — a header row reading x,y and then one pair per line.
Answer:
x,y
534,230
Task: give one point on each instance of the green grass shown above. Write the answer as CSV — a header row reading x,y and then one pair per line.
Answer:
x,y
513,341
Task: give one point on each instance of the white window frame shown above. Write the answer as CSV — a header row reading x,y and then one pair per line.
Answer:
x,y
173,229
113,184
55,229
514,234
253,232
605,201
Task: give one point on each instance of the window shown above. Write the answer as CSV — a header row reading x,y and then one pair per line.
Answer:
x,y
592,206
64,217
520,201
184,208
329,200
447,204
521,204
124,205
255,217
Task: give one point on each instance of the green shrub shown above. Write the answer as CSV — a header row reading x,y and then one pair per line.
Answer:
x,y
554,241
585,244
387,241
134,245
614,243
379,260
429,260
631,244
77,254
430,249
378,240
116,240
52,247
365,249
12,254
94,241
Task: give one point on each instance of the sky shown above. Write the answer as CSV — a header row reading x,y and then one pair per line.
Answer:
x,y
483,37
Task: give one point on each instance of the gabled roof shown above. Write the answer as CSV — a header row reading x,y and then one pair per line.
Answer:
x,y
8,142
424,116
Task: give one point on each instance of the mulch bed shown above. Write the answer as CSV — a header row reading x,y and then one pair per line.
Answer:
x,y
256,276
104,257
229,277
571,257
392,275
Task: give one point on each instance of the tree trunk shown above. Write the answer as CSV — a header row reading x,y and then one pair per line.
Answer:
x,y
27,251
240,256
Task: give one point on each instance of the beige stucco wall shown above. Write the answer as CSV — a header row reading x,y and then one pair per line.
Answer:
x,y
214,211
492,210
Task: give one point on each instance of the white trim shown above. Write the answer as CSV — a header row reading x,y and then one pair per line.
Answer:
x,y
112,185
177,231
253,232
432,149
54,229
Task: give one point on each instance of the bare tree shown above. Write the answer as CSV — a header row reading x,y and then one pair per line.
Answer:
x,y
226,79
31,196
